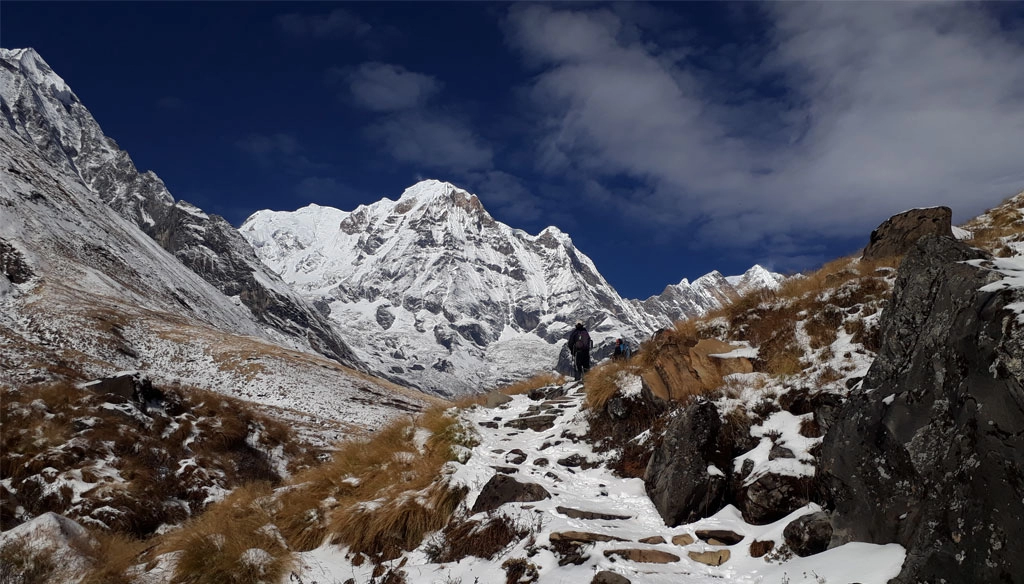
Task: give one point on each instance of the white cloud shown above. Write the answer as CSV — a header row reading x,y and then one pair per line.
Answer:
x,y
882,107
432,140
383,87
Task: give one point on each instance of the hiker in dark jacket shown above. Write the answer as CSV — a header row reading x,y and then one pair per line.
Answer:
x,y
580,345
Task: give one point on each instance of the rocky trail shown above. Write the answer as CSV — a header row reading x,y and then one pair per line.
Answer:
x,y
533,467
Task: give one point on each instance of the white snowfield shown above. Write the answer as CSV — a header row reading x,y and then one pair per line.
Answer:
x,y
598,490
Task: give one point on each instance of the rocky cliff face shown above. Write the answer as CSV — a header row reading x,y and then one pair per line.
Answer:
x,y
41,109
929,451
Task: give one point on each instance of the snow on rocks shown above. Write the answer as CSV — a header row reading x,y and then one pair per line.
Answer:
x,y
596,523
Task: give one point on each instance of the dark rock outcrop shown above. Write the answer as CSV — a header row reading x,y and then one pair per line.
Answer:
x,y
677,478
929,451
771,496
898,234
503,489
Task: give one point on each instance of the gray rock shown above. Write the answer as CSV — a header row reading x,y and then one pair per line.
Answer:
x,y
503,489
773,496
677,478
609,578
929,452
724,536
809,534
581,514
897,235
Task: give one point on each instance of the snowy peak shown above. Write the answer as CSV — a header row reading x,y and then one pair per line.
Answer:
x,y
756,278
706,293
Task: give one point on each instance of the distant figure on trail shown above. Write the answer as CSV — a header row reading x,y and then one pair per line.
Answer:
x,y
621,350
580,346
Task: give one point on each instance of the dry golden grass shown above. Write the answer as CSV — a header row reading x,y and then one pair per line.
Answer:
x,y
535,382
767,319
999,225
384,489
601,382
69,429
21,562
110,556
234,542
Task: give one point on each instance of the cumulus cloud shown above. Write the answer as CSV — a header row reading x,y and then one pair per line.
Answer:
x,y
383,87
506,195
845,114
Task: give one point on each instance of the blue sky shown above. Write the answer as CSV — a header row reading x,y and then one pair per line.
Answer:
x,y
667,139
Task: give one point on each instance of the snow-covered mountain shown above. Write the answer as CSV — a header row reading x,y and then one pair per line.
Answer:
x,y
431,289
39,107
706,293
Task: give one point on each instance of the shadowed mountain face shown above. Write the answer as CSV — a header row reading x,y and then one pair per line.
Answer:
x,y
38,107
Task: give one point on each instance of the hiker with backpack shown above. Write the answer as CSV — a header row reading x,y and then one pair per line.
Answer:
x,y
580,346
621,350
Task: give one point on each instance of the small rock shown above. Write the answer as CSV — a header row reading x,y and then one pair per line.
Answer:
x,y
653,540
515,456
580,514
535,423
711,557
760,548
582,537
643,556
576,461
607,577
541,462
778,451
683,539
722,535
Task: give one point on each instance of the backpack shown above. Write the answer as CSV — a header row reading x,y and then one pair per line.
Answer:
x,y
582,341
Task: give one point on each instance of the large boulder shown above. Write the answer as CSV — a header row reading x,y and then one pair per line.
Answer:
x,y
503,489
681,479
809,534
929,451
684,368
898,234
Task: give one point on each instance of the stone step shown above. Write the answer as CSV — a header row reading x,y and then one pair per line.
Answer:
x,y
581,514
535,423
643,556
711,557
582,537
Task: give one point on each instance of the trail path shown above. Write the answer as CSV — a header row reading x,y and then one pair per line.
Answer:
x,y
540,442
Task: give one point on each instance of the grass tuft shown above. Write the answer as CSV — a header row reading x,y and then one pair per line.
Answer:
x,y
234,542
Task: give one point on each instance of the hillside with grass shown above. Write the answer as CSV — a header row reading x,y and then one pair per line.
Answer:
x,y
860,423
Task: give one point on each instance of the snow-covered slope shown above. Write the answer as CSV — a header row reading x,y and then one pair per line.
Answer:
x,y
39,107
431,289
